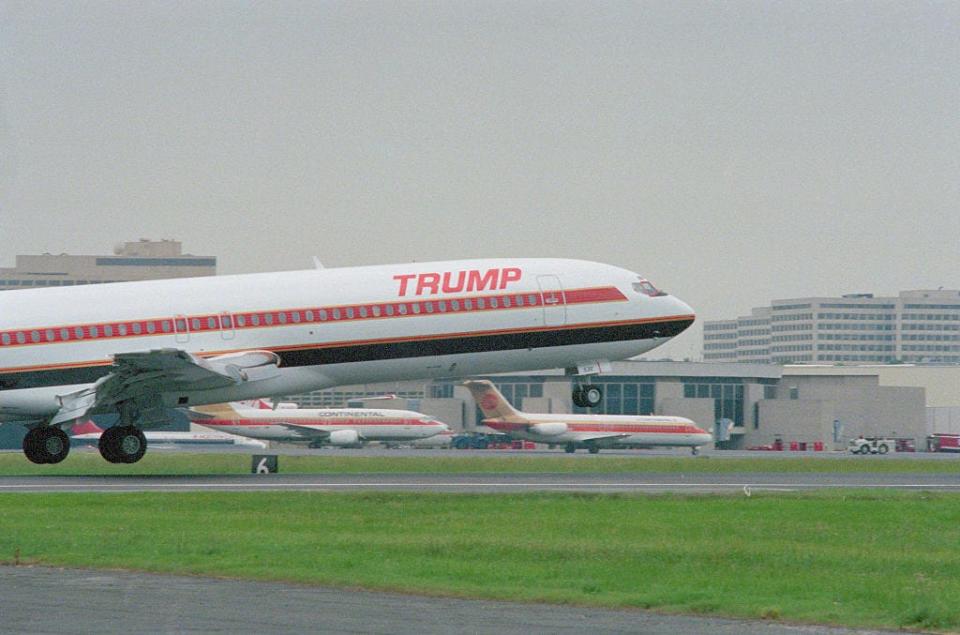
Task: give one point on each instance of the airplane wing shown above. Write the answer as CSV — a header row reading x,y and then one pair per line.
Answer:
x,y
138,381
303,432
601,439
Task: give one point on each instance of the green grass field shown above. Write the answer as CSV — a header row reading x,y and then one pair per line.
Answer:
x,y
863,558
326,462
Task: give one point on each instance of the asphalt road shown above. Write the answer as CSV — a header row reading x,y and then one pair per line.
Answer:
x,y
486,483
46,600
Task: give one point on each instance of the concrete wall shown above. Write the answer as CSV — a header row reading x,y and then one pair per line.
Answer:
x,y
897,412
700,411
560,392
806,420
668,391
941,381
389,404
449,411
943,420
862,406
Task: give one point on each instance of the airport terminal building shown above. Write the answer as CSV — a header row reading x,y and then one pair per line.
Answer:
x,y
141,260
763,403
916,327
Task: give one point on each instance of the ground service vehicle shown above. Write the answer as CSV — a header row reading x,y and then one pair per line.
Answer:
x,y
939,442
871,445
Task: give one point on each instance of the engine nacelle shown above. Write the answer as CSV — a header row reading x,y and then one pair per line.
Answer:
x,y
344,437
550,429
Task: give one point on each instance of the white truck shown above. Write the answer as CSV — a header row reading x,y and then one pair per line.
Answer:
x,y
872,445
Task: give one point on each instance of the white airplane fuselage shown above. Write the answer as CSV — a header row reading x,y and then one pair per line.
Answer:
x,y
625,430
332,327
295,425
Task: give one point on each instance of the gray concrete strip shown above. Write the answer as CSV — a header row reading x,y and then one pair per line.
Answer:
x,y
43,600
489,483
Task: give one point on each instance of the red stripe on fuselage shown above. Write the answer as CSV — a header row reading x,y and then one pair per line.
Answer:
x,y
619,428
314,423
184,325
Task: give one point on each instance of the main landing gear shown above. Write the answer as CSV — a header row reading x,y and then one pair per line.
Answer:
x,y
571,447
123,444
587,396
46,444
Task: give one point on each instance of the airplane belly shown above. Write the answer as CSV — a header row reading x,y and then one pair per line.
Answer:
x,y
252,432
376,433
460,365
666,440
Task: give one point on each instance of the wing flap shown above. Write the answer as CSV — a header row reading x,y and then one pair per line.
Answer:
x,y
139,379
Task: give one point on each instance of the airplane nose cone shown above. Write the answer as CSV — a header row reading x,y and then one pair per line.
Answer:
x,y
682,307
681,316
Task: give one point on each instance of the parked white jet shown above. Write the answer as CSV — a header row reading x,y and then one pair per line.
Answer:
x,y
590,431
328,426
140,348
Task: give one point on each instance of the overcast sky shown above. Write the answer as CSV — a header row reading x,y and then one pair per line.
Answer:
x,y
732,152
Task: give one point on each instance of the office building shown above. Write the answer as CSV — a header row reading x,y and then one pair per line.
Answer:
x,y
141,260
919,327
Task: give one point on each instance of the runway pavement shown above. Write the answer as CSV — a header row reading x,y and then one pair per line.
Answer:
x,y
88,601
487,483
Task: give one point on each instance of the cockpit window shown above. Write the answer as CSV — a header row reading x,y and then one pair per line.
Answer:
x,y
646,287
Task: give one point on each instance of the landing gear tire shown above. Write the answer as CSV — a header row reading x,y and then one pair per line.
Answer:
x,y
593,449
46,445
587,396
577,396
694,451
123,444
570,448
592,395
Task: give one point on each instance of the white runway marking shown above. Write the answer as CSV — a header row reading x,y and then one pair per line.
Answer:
x,y
90,487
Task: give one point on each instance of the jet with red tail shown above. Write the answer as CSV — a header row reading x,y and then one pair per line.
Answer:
x,y
585,431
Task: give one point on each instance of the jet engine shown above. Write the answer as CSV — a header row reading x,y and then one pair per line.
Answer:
x,y
344,437
550,429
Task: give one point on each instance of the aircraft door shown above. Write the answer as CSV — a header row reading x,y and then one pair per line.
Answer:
x,y
554,301
181,328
